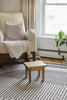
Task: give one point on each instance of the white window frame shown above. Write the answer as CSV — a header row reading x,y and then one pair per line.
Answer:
x,y
43,16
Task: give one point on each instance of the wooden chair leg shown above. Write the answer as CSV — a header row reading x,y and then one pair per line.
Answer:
x,y
43,72
38,73
25,72
26,57
34,56
29,75
1,63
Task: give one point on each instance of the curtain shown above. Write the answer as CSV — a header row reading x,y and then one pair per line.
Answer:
x,y
28,13
31,12
38,17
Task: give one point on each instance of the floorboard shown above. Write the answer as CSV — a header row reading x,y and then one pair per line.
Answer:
x,y
51,60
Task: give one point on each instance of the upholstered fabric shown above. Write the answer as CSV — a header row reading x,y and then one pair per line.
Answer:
x,y
3,49
14,18
1,36
31,36
14,32
17,48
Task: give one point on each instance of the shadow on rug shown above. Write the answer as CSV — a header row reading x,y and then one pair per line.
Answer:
x,y
51,76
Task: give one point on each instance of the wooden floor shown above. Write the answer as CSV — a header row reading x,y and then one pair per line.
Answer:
x,y
51,60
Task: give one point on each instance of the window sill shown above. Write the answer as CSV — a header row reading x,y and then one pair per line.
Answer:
x,y
50,37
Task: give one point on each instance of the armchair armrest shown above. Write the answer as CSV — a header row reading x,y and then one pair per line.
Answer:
x,y
31,36
1,36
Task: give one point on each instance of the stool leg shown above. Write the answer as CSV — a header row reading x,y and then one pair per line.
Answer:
x,y
38,73
43,72
26,72
29,76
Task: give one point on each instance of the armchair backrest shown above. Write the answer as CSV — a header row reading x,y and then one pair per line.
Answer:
x,y
13,18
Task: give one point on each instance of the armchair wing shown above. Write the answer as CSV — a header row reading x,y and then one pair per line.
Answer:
x,y
1,36
31,36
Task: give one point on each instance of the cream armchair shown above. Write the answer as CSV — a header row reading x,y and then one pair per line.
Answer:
x,y
15,18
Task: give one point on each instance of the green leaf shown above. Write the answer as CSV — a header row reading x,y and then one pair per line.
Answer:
x,y
56,35
61,43
61,34
64,38
57,44
62,57
55,39
60,39
65,35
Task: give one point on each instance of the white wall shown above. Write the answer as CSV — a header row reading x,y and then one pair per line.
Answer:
x,y
10,5
49,43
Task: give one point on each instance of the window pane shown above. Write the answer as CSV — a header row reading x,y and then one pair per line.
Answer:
x,y
55,19
56,1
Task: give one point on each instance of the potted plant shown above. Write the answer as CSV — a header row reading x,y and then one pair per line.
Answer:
x,y
60,39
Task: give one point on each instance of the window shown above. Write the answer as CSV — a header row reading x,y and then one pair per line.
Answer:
x,y
54,16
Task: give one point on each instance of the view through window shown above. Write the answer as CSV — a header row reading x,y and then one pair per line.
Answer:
x,y
55,16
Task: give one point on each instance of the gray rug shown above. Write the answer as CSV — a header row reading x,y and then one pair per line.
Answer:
x,y
51,76
14,86
56,65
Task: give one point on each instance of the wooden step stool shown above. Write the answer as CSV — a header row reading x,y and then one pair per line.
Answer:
x,y
35,66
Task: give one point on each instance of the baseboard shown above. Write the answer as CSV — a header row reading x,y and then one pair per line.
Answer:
x,y
49,54
51,58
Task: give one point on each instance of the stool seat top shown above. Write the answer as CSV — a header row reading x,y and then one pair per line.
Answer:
x,y
35,64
